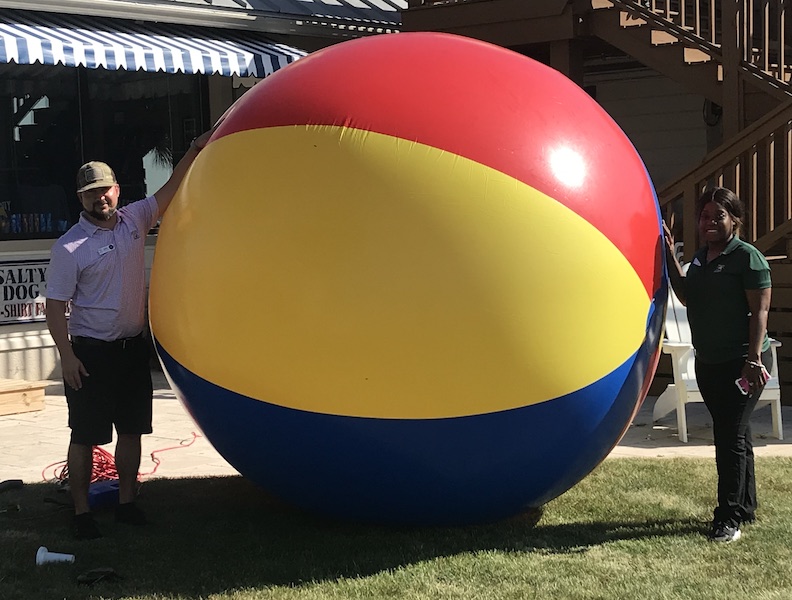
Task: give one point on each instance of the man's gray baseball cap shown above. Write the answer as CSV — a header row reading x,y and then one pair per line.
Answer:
x,y
94,175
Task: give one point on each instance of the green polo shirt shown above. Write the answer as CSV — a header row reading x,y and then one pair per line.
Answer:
x,y
716,303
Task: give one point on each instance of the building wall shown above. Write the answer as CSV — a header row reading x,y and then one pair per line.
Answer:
x,y
662,120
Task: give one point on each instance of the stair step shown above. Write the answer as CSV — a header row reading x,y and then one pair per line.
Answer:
x,y
661,38
598,4
694,55
629,19
775,71
633,19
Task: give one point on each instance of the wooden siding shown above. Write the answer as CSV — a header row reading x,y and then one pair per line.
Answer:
x,y
660,117
779,324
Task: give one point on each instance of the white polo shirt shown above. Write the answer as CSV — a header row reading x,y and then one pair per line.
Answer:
x,y
102,271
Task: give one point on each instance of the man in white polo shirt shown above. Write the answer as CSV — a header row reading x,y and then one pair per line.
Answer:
x,y
99,266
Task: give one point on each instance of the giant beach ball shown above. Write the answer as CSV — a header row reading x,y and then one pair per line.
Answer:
x,y
412,278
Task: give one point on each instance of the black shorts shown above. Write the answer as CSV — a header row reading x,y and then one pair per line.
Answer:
x,y
117,391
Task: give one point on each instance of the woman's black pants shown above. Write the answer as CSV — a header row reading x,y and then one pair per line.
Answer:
x,y
734,457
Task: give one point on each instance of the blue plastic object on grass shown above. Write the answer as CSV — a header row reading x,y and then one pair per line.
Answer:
x,y
103,493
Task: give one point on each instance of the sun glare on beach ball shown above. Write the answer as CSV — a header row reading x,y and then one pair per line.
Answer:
x,y
412,278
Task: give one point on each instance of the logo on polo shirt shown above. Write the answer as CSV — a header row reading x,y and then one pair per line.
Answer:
x,y
719,268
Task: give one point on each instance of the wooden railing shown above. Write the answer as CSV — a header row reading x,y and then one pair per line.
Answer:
x,y
757,165
764,23
758,36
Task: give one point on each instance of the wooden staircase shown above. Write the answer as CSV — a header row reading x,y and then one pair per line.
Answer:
x,y
754,29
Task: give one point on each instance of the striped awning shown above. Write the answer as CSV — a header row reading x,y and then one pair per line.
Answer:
x,y
382,12
52,39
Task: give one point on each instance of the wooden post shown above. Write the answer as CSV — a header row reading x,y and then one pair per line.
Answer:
x,y
567,58
733,16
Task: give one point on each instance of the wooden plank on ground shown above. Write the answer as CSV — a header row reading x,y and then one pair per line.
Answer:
x,y
19,395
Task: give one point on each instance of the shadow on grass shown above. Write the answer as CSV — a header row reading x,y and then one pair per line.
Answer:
x,y
216,534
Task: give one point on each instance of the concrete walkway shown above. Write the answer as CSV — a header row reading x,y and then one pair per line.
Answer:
x,y
33,445
661,440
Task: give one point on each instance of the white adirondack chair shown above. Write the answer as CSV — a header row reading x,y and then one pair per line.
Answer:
x,y
685,388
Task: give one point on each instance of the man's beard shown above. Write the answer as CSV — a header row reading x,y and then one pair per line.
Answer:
x,y
99,216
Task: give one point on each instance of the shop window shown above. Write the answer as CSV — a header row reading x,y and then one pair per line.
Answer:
x,y
53,119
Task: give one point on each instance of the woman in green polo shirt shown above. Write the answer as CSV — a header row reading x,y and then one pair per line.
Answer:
x,y
727,294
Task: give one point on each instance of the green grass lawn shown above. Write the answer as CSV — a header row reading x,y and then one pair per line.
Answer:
x,y
633,529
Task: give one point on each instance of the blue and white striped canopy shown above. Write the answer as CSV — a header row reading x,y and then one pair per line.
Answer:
x,y
385,12
50,39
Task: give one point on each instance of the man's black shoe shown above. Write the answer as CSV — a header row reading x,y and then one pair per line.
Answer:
x,y
130,514
85,528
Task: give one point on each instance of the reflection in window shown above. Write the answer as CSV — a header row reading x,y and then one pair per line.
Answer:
x,y
23,106
158,168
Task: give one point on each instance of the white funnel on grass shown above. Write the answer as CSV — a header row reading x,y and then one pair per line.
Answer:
x,y
44,556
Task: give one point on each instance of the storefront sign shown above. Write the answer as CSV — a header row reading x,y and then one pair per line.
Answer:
x,y
22,287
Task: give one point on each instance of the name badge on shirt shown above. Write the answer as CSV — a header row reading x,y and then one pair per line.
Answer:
x,y
106,249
